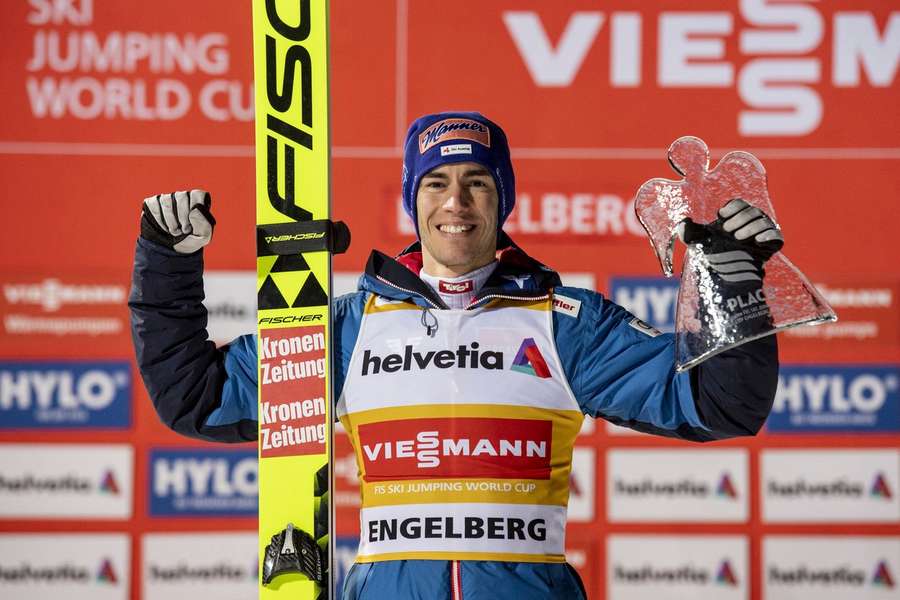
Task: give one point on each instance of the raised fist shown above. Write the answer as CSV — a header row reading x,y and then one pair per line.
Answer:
x,y
180,220
737,243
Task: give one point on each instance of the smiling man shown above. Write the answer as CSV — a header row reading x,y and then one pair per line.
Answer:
x,y
463,369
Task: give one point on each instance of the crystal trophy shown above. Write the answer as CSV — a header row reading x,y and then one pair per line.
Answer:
x,y
716,308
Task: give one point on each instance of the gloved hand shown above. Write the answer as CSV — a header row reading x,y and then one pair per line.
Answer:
x,y
181,220
735,247
737,243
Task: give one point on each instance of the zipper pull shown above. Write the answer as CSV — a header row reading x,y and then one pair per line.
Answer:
x,y
429,322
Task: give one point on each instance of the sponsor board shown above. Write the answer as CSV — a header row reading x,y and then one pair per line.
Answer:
x,y
35,309
588,426
650,299
685,486
230,301
120,74
582,485
650,567
346,493
561,215
65,395
830,567
836,398
868,314
582,555
65,565
830,486
199,565
201,482
292,369
344,558
612,429
63,481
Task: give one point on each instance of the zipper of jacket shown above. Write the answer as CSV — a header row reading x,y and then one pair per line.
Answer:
x,y
403,289
474,303
455,581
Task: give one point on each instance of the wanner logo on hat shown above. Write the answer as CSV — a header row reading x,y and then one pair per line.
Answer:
x,y
725,575
454,129
530,360
880,487
882,576
725,487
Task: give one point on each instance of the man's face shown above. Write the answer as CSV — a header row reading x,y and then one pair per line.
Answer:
x,y
457,218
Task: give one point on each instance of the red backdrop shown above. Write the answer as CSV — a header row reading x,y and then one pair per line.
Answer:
x,y
107,102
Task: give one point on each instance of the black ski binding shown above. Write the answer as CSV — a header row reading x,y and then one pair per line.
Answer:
x,y
302,236
293,551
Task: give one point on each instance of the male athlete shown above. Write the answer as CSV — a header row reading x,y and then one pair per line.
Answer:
x,y
462,371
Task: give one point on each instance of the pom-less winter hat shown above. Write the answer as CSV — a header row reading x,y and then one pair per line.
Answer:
x,y
454,137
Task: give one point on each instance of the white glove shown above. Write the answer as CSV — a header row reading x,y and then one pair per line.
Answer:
x,y
181,220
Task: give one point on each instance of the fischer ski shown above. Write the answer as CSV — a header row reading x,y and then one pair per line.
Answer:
x,y
295,240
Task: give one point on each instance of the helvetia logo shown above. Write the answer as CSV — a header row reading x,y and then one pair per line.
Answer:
x,y
725,489
725,575
882,577
109,485
464,357
107,574
880,488
529,360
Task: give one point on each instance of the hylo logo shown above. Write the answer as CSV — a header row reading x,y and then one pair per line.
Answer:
x,y
529,360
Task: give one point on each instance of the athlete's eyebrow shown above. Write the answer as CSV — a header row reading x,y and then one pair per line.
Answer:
x,y
476,172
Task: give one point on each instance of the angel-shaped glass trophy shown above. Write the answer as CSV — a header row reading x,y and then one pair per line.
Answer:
x,y
722,303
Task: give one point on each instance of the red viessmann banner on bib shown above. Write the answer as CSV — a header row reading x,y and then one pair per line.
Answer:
x,y
456,447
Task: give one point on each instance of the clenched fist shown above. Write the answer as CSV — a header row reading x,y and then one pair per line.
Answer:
x,y
180,220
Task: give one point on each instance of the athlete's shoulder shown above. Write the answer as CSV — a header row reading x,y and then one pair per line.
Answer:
x,y
350,304
577,303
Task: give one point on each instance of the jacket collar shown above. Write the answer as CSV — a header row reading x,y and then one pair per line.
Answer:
x,y
517,276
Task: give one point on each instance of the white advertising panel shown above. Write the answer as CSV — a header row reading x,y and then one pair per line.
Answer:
x,y
649,567
830,486
64,481
687,486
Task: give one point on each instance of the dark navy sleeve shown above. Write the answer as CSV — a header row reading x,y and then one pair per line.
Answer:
x,y
622,371
198,390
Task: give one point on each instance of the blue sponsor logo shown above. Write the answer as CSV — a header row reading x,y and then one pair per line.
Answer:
x,y
210,483
65,395
345,549
650,299
836,398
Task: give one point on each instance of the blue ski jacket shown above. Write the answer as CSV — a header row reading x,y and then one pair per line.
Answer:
x,y
615,368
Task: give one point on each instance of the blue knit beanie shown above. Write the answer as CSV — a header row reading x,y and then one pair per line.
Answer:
x,y
454,137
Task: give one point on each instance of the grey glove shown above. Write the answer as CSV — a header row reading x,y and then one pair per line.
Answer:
x,y
181,220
